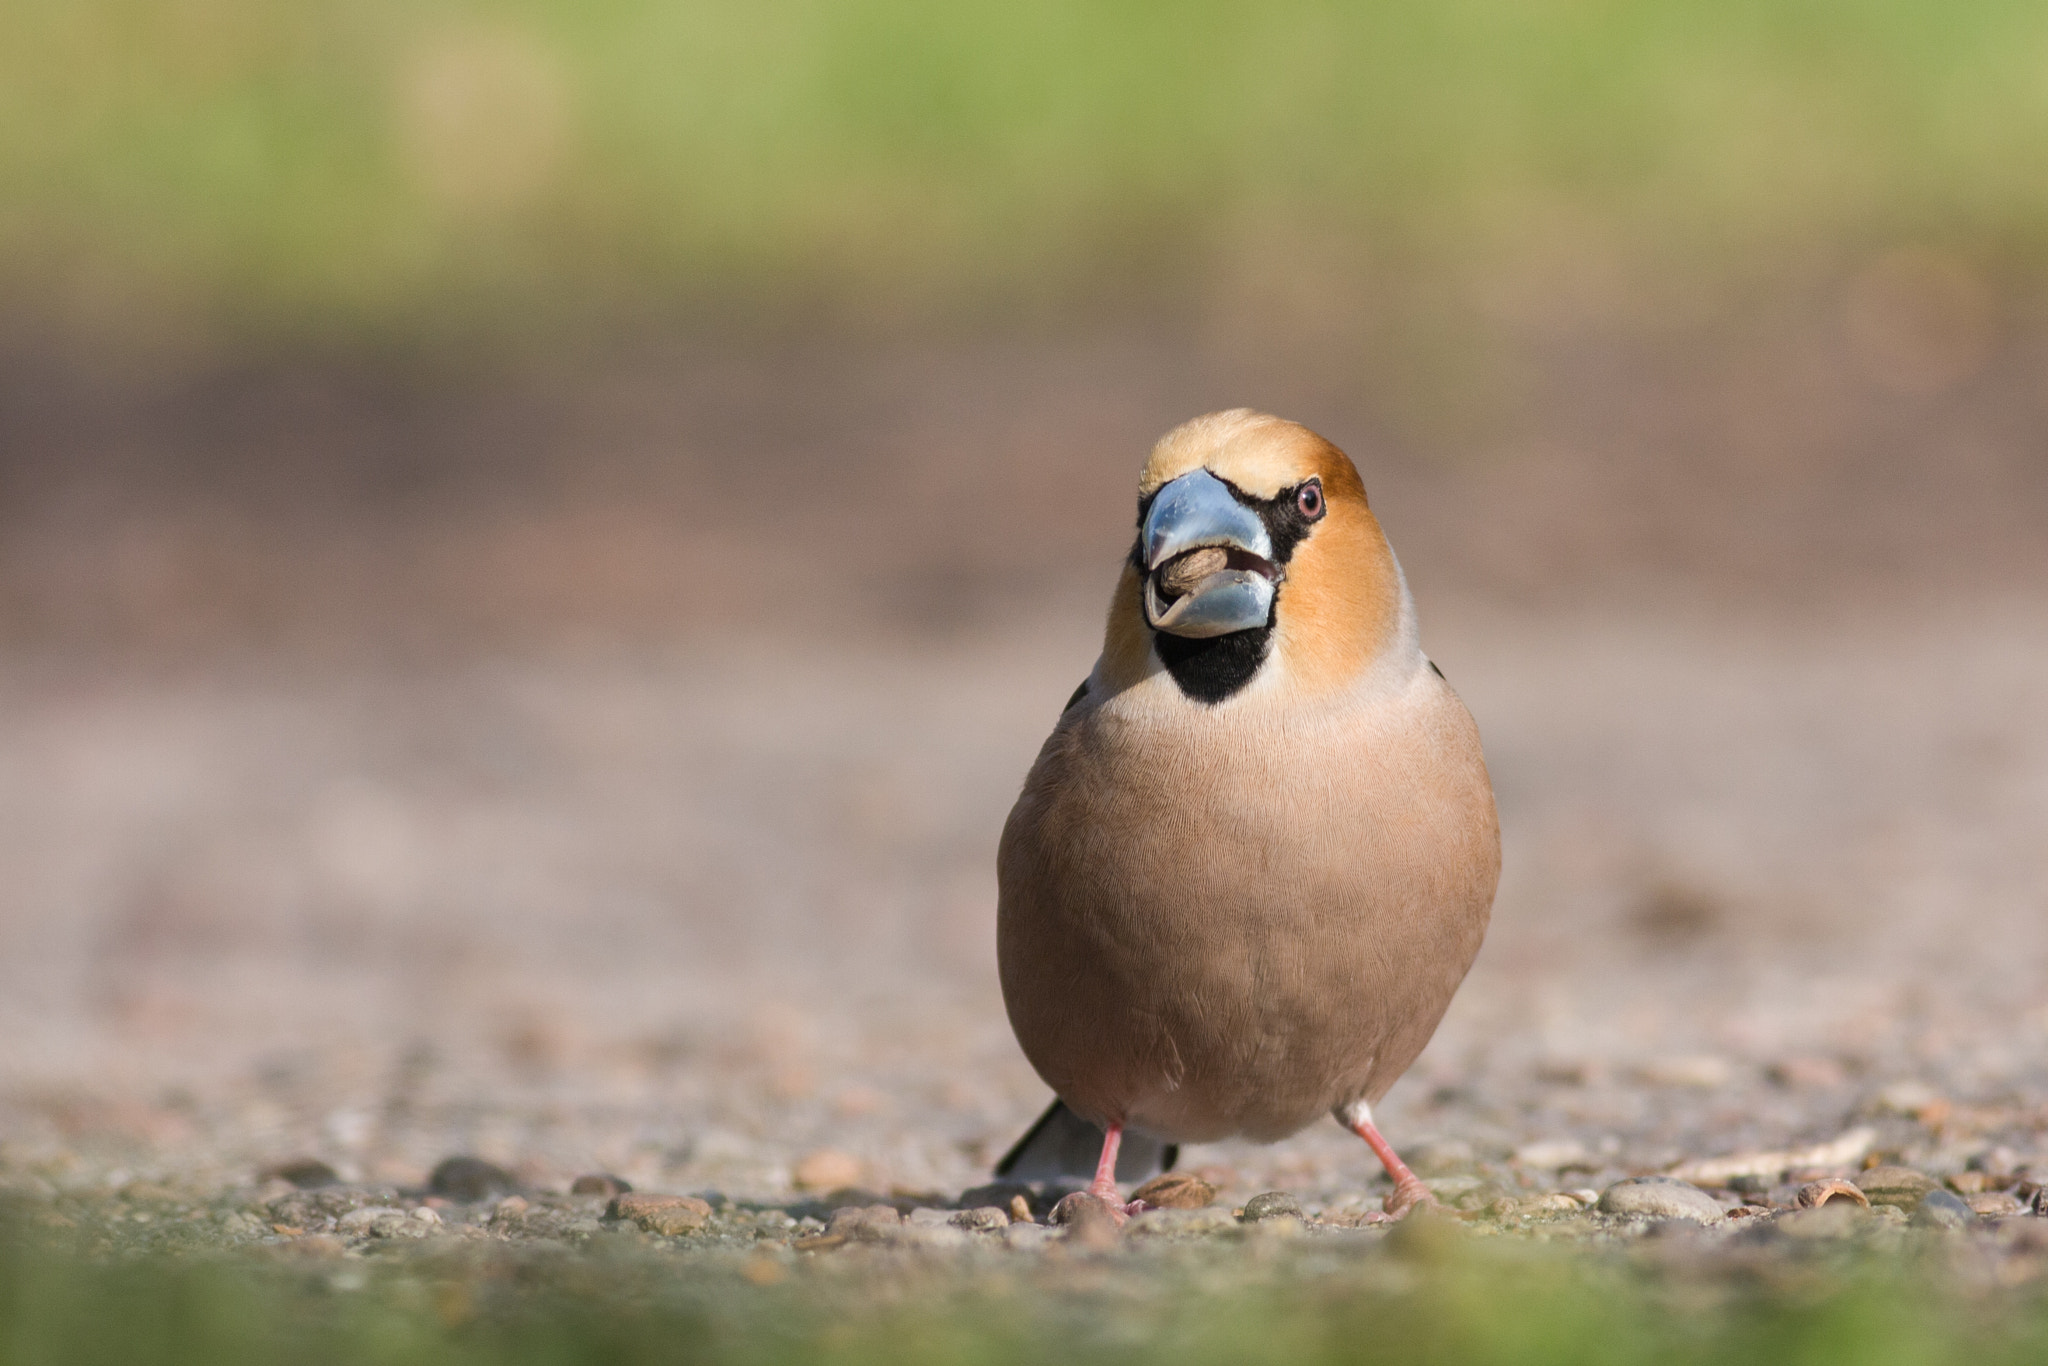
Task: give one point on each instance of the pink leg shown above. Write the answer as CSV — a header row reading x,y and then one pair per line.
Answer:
x,y
1104,1185
1409,1191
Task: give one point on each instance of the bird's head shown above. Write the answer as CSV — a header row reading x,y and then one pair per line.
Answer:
x,y
1255,549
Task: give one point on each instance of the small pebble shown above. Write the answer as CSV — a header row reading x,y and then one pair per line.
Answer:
x,y
1901,1186
1560,1202
306,1173
869,1223
1086,1218
470,1179
1550,1154
1660,1197
760,1270
1807,1073
1995,1204
1943,1209
1910,1098
827,1169
987,1219
1271,1205
600,1183
668,1215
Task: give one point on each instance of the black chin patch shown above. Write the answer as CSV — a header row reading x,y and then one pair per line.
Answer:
x,y
1211,668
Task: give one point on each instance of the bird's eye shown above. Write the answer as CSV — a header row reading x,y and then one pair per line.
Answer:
x,y
1310,500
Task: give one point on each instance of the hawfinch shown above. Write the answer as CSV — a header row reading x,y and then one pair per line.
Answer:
x,y
1258,853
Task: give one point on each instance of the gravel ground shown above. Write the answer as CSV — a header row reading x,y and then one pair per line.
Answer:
x,y
705,901
719,922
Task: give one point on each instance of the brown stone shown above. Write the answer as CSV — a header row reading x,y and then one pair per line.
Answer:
x,y
1900,1186
600,1183
865,1223
1088,1220
1995,1204
667,1215
1175,1190
827,1169
306,1173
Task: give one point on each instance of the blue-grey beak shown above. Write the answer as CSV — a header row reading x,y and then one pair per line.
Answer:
x,y
1208,561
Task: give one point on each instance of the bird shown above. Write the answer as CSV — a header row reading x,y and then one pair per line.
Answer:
x,y
1257,855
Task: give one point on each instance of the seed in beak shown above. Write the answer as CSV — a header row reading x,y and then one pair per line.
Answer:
x,y
1178,576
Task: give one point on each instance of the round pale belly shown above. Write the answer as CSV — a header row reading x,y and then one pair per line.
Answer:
x,y
1227,946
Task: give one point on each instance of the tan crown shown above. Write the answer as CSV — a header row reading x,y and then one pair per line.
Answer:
x,y
1259,453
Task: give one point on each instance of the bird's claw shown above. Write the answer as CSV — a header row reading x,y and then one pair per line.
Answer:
x,y
1406,1197
1119,1209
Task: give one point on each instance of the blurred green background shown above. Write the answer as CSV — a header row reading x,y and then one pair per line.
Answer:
x,y
218,173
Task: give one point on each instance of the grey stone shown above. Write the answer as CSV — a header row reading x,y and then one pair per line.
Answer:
x,y
1941,1209
1660,1197
863,1223
360,1220
667,1215
307,1173
1271,1205
470,1179
987,1219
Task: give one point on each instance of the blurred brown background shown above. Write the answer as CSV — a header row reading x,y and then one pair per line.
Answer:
x,y
535,549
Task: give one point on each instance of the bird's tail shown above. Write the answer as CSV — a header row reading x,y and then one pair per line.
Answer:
x,y
1063,1145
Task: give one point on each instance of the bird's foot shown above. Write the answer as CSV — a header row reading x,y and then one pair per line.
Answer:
x,y
1119,1208
1406,1197
1082,1211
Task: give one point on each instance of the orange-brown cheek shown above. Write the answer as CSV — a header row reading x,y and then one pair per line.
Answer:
x,y
1340,605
